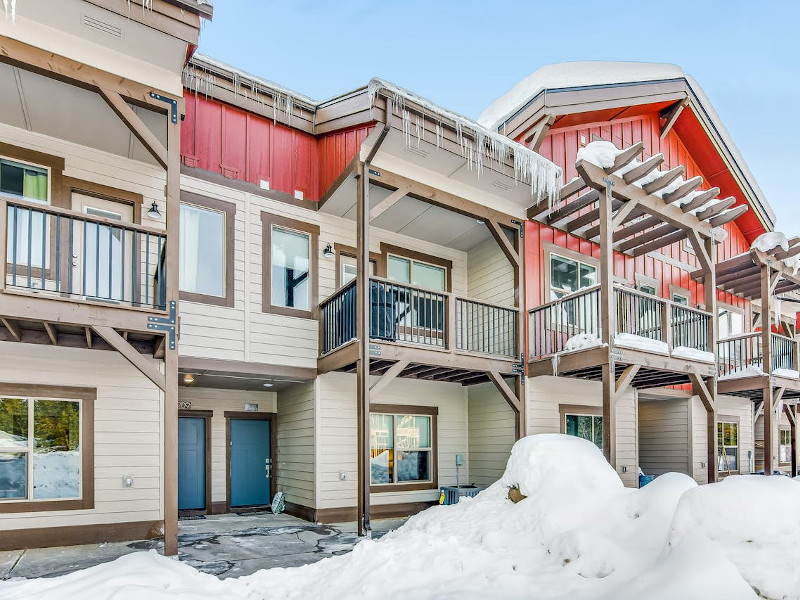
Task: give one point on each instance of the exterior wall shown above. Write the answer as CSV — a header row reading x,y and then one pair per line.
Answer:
x,y
297,443
336,440
220,401
758,433
545,394
224,139
664,441
491,433
490,277
729,406
244,332
127,437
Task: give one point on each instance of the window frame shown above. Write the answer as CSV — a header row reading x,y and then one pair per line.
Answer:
x,y
228,210
87,397
414,256
676,290
781,431
730,308
579,410
565,253
416,411
730,420
342,250
644,280
268,222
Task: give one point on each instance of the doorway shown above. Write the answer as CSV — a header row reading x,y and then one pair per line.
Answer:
x,y
194,479
250,445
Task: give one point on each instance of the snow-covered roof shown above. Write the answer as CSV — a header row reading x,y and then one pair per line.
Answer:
x,y
573,74
586,74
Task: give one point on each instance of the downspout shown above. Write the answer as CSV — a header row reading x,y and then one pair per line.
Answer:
x,y
362,276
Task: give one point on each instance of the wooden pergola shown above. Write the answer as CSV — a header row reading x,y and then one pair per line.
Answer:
x,y
763,275
634,208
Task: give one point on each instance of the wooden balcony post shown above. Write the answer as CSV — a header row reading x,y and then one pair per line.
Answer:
x,y
522,335
3,241
362,333
710,289
607,323
766,366
451,322
666,323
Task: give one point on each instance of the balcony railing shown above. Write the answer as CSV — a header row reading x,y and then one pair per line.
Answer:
x,y
77,255
743,354
553,324
411,315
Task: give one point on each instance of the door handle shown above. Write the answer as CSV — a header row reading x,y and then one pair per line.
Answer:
x,y
268,467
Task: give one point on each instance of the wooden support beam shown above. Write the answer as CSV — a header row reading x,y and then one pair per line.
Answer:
x,y
12,327
147,368
362,333
539,132
767,304
388,203
502,240
637,227
793,251
136,125
88,332
590,217
159,351
626,378
728,216
686,188
623,213
626,157
507,393
648,236
706,397
51,333
667,240
568,190
571,208
389,376
647,166
789,414
670,114
702,255
715,209
700,199
663,180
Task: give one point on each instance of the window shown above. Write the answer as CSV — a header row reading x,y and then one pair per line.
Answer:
x,y
40,449
785,445
647,289
588,427
680,299
728,442
27,230
731,322
568,275
290,266
402,449
202,251
680,295
414,272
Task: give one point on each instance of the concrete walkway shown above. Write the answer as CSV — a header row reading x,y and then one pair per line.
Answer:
x,y
222,545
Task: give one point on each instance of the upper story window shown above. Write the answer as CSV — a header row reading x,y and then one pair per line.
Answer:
x,y
24,181
569,275
291,269
27,237
202,250
731,322
416,272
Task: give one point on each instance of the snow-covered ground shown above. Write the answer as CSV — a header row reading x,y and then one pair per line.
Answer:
x,y
579,534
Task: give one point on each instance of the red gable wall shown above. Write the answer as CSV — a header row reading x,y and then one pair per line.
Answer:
x,y
240,145
561,146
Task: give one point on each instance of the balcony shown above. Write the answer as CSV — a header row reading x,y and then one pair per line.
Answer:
x,y
443,335
667,339
741,365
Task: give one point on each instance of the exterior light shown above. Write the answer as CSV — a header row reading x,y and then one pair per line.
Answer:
x,y
328,252
154,213
268,385
188,379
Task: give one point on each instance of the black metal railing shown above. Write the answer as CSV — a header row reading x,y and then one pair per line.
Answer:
x,y
577,316
413,315
737,353
78,255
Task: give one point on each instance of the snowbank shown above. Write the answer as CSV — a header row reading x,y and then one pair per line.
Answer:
x,y
638,342
579,534
753,370
788,373
693,354
582,341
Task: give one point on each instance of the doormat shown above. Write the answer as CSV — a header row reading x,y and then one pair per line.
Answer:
x,y
252,513
191,517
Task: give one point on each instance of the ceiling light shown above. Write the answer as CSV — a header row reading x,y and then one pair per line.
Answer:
x,y
328,252
188,379
154,213
268,384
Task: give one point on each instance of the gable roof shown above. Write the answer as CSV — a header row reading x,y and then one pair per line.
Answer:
x,y
599,89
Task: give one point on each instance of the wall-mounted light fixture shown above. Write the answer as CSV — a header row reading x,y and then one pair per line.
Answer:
x,y
188,379
328,252
154,213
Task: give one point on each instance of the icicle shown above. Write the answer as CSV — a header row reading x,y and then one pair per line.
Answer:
x,y
420,130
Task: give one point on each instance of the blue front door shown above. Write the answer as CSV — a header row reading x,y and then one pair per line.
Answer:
x,y
191,463
250,462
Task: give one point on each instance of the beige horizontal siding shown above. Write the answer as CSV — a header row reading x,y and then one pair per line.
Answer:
x,y
491,433
296,443
664,436
727,406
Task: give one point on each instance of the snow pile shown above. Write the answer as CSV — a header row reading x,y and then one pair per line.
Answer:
x,y
582,341
762,545
601,153
788,373
752,370
769,241
638,342
578,534
688,353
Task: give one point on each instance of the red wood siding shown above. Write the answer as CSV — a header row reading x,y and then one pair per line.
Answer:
x,y
241,145
561,146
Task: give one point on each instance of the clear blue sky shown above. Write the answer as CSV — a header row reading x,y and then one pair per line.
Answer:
x,y
465,54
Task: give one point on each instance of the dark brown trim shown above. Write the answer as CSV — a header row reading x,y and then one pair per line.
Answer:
x,y
218,508
50,537
246,186
206,415
59,193
300,511
229,210
105,192
404,409
87,396
377,511
351,252
214,366
273,449
387,249
269,220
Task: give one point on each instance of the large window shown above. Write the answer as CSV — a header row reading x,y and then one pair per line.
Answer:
x,y
588,427
728,443
202,251
731,322
291,268
402,449
785,445
40,449
27,239
568,275
415,272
